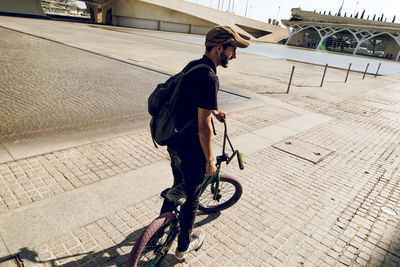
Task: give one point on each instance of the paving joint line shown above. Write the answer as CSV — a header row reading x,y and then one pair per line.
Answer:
x,y
8,152
88,51
89,142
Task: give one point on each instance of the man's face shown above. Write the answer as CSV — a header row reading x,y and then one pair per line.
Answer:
x,y
227,54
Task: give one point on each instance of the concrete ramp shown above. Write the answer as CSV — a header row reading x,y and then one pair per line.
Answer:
x,y
27,7
185,17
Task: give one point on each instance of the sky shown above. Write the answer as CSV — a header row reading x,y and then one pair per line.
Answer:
x,y
280,9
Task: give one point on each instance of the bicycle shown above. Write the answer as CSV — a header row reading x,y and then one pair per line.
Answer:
x,y
218,193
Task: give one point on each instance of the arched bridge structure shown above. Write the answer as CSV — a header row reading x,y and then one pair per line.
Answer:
x,y
171,15
341,34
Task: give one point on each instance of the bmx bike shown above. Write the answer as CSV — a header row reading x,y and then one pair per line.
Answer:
x,y
218,192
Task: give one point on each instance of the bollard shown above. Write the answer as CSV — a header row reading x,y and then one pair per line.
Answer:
x,y
365,72
347,75
323,76
290,81
376,74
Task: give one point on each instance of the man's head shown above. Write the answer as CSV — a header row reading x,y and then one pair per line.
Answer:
x,y
221,43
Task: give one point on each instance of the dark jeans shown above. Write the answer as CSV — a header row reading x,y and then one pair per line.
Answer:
x,y
188,165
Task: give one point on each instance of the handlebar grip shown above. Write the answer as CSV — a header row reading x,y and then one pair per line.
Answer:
x,y
240,160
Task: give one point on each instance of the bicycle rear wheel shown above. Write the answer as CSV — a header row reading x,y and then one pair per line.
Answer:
x,y
155,241
230,191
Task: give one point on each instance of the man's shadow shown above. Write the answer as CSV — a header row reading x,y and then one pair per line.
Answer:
x,y
108,257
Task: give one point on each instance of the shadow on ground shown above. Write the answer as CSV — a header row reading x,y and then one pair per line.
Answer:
x,y
111,256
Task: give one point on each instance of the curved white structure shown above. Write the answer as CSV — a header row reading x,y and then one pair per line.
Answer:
x,y
328,26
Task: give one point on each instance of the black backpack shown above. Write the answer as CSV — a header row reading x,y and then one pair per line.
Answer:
x,y
162,108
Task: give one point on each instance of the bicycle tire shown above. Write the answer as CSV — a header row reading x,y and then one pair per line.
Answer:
x,y
167,223
208,204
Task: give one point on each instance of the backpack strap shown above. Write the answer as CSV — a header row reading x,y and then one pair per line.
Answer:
x,y
200,66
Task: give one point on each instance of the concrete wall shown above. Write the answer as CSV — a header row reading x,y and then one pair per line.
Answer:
x,y
138,14
28,7
218,17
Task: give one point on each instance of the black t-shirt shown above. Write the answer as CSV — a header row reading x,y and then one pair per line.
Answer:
x,y
198,89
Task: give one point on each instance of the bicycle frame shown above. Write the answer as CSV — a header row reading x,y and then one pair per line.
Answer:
x,y
224,157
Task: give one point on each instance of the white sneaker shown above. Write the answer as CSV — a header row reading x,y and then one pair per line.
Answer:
x,y
196,240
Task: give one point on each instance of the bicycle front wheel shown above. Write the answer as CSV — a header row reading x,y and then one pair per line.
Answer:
x,y
229,192
155,241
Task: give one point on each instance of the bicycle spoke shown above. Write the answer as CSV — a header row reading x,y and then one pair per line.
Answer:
x,y
226,190
153,248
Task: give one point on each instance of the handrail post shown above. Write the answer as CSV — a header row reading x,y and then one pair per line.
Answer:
x,y
376,74
290,81
365,72
323,76
347,75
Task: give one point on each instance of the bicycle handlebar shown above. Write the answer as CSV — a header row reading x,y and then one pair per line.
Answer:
x,y
224,157
240,160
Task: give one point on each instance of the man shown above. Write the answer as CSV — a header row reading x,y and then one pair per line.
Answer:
x,y
191,151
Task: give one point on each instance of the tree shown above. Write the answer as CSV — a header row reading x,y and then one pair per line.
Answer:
x,y
368,17
273,21
362,15
374,17
345,14
269,21
394,18
382,18
329,13
356,16
324,12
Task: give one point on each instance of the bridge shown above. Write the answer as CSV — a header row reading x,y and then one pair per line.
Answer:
x,y
172,15
342,34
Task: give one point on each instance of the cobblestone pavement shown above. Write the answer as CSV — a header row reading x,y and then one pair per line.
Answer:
x,y
29,180
25,181
292,212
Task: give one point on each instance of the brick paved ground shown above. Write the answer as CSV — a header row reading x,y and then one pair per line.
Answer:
x,y
29,180
25,181
292,212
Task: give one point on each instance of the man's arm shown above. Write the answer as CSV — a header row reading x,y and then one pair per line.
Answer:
x,y
205,135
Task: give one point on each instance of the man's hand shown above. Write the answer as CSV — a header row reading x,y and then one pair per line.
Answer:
x,y
210,168
219,114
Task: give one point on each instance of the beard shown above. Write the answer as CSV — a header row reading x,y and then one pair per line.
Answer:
x,y
224,60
